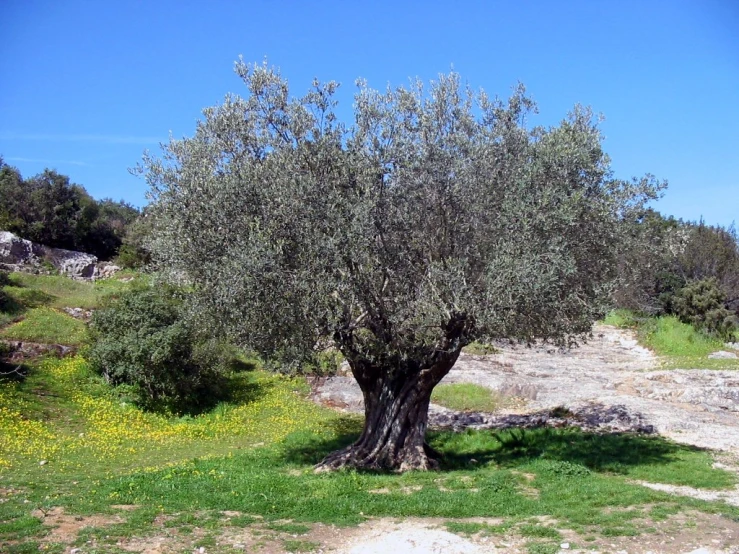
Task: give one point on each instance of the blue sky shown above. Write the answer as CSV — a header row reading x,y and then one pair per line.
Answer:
x,y
87,86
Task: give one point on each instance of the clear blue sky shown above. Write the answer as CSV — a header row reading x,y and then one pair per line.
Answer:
x,y
87,86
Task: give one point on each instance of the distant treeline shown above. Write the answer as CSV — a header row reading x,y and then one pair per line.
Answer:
x,y
687,269
48,209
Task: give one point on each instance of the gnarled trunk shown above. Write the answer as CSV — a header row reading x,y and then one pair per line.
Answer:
x,y
396,416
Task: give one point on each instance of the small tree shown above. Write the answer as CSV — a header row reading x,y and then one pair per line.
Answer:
x,y
141,339
436,219
703,305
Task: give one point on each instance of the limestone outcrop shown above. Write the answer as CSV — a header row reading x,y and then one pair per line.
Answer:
x,y
18,254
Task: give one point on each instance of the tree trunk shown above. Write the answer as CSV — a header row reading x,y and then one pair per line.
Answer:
x,y
396,415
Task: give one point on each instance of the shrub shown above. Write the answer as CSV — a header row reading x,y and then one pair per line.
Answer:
x,y
702,304
665,255
4,297
132,257
143,340
133,253
713,253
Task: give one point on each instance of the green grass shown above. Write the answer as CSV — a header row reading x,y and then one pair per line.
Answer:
x,y
289,528
542,547
469,528
47,326
539,531
254,457
33,311
682,346
467,397
679,344
623,319
480,349
668,336
63,292
300,545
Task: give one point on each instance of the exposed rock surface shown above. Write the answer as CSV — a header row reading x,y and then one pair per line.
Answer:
x,y
17,254
723,355
20,351
79,313
610,383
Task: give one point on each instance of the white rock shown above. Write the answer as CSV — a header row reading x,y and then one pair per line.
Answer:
x,y
565,546
26,254
723,355
414,540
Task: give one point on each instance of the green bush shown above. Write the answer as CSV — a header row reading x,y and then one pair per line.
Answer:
x,y
142,339
132,257
4,296
703,305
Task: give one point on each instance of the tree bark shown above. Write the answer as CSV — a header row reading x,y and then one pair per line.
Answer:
x,y
396,402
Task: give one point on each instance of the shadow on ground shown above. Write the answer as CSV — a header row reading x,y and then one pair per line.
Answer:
x,y
611,452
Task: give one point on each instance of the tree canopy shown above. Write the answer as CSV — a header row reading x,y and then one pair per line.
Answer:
x,y
436,218
48,209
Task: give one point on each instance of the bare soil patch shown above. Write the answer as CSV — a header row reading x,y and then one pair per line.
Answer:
x,y
65,528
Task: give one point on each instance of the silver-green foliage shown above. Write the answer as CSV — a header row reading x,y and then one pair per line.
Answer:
x,y
437,204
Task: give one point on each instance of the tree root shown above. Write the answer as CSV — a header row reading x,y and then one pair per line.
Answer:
x,y
425,459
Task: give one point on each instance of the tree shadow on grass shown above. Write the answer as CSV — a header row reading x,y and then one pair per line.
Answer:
x,y
11,372
600,452
241,389
218,391
306,448
469,450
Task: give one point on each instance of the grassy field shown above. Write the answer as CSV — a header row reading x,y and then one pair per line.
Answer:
x,y
72,443
679,344
35,313
78,454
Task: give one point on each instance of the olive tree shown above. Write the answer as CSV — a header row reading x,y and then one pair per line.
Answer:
x,y
437,217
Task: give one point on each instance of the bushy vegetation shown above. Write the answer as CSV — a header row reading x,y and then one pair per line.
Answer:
x,y
4,298
50,210
133,252
142,339
703,305
690,270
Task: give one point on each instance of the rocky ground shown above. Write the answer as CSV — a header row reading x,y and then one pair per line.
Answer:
x,y
610,383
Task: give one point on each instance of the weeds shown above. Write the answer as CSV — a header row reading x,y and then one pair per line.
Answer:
x,y
467,397
679,344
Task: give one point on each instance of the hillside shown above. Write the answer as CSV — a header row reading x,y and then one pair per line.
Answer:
x,y
84,468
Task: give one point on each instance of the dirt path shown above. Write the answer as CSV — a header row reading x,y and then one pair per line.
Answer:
x,y
610,382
